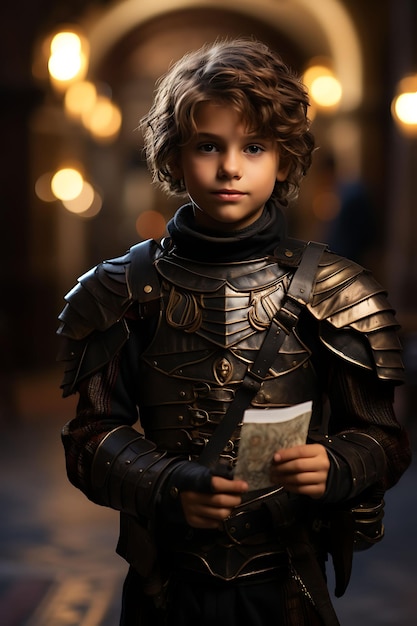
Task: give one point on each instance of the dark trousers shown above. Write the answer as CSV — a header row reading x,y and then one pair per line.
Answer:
x,y
200,600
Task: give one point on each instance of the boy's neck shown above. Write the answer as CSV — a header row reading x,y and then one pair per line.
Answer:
x,y
195,242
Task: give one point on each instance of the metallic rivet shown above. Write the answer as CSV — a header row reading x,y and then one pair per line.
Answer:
x,y
288,253
182,394
180,418
232,530
147,288
174,492
127,462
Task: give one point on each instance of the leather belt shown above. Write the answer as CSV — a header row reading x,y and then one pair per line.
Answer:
x,y
191,566
250,526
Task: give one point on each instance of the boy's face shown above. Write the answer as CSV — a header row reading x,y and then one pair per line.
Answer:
x,y
229,172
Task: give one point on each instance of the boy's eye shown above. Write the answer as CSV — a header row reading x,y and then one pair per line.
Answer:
x,y
207,147
254,149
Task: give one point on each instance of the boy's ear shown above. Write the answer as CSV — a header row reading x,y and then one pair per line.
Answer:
x,y
283,170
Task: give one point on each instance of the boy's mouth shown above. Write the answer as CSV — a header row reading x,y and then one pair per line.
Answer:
x,y
229,194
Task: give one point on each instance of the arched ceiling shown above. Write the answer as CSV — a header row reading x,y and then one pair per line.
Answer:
x,y
314,28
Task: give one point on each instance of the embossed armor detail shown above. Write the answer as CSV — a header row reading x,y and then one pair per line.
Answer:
x,y
362,332
211,329
354,304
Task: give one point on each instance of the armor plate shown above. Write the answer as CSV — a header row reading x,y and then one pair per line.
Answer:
x,y
213,324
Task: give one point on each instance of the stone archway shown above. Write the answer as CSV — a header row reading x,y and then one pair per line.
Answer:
x,y
310,24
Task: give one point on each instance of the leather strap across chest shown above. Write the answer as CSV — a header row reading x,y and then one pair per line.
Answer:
x,y
283,323
144,286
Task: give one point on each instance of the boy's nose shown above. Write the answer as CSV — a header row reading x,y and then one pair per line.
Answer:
x,y
230,166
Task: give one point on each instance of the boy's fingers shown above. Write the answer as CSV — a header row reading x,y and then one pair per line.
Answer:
x,y
224,485
298,452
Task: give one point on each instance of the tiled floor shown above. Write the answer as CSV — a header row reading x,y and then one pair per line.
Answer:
x,y
57,549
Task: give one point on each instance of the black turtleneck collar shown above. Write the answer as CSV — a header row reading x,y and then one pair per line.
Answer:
x,y
259,239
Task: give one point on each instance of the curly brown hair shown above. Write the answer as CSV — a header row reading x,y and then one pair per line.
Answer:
x,y
247,75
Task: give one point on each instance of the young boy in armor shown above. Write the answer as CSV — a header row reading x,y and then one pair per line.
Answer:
x,y
168,333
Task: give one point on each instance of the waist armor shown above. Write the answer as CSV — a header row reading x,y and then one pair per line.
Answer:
x,y
211,327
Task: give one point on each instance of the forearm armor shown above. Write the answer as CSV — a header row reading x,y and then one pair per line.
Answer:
x,y
127,472
358,462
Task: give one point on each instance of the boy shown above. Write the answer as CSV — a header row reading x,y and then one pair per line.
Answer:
x,y
171,334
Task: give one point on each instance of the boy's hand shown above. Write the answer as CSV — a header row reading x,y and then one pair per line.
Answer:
x,y
302,469
208,510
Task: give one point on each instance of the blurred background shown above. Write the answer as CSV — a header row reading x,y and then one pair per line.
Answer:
x,y
75,78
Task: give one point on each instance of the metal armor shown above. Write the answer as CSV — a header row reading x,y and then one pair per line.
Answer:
x,y
212,319
213,323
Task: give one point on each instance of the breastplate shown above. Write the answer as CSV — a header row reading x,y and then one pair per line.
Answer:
x,y
211,325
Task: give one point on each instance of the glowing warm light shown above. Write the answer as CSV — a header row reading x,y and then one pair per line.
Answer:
x,y
43,188
68,59
314,71
404,105
406,108
67,184
150,224
83,201
326,91
95,207
104,120
80,98
324,88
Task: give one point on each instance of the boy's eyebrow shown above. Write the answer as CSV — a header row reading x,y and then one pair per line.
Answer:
x,y
204,135
252,136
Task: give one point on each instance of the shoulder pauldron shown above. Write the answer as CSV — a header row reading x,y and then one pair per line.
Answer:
x,y
358,322
102,300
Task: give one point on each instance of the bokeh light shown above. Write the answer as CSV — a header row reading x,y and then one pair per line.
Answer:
x,y
404,105
43,188
83,201
80,98
67,183
324,87
150,224
326,206
326,91
87,204
68,58
103,120
406,108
